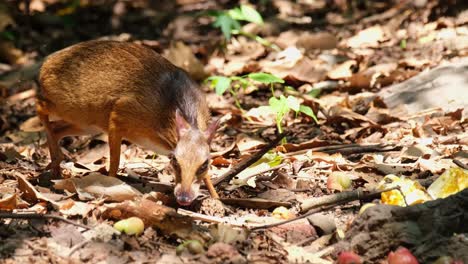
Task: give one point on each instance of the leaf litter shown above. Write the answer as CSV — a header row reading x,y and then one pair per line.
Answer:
x,y
365,139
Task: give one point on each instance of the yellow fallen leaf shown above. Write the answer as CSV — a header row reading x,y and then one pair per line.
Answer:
x,y
410,190
450,182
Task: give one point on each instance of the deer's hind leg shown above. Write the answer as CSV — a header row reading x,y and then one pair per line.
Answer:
x,y
55,131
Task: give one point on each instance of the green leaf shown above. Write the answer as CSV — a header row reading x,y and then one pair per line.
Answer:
x,y
403,44
314,93
220,83
308,111
227,24
251,15
265,78
279,106
236,14
293,103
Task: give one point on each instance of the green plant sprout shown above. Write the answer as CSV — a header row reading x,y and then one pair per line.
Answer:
x,y
229,21
280,106
232,84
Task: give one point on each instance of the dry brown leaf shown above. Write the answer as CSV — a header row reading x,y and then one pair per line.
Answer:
x,y
221,161
367,38
306,70
342,71
97,185
182,55
9,203
321,41
29,193
246,143
340,113
33,124
75,208
290,147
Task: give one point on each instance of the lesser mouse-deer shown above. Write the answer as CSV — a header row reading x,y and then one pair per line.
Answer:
x,y
129,92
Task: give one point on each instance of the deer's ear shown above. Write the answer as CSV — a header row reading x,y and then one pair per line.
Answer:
x,y
211,130
182,126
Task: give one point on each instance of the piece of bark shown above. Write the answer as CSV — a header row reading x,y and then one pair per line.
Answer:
x,y
164,218
427,230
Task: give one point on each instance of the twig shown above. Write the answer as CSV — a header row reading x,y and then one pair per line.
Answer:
x,y
351,196
77,246
340,198
311,212
41,216
202,217
256,203
248,161
460,164
348,149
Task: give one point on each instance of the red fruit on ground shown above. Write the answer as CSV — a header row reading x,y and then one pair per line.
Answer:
x,y
401,256
348,257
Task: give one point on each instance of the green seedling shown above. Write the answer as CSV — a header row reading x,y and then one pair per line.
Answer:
x,y
233,84
229,21
281,106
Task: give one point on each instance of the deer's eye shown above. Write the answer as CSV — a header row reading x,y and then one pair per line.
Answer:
x,y
175,163
203,168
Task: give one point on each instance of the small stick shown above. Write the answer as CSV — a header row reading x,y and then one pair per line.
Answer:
x,y
340,198
202,217
311,212
41,216
348,149
460,164
248,161
357,195
77,246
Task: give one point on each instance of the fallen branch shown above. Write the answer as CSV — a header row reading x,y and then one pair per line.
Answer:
x,y
460,164
41,216
347,149
311,212
255,203
327,203
340,198
248,161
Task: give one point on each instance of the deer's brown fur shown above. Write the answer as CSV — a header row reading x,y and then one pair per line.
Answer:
x,y
129,92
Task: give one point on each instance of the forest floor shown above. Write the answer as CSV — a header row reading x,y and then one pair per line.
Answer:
x,y
371,96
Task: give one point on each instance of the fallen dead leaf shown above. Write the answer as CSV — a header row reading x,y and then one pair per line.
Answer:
x,y
182,55
367,38
9,203
342,71
97,185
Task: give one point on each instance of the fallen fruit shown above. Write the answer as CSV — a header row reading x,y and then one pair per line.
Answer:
x,y
348,257
282,213
448,260
339,181
130,226
193,246
401,256
365,207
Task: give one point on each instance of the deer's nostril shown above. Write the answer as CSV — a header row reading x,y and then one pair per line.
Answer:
x,y
184,198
